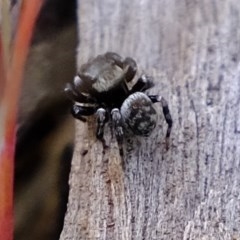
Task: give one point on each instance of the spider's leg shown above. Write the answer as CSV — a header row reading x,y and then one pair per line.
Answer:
x,y
131,68
166,112
75,95
115,57
84,81
143,83
118,127
84,110
101,120
117,124
128,65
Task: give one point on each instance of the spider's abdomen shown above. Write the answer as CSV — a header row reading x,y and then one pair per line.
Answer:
x,y
138,114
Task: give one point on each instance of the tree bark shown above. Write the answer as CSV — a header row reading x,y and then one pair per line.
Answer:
x,y
191,191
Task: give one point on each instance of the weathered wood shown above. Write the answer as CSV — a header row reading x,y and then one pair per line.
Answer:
x,y
192,191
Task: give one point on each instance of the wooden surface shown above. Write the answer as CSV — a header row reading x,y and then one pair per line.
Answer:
x,y
192,191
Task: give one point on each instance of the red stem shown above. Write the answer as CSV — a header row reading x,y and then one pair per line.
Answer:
x,y
9,106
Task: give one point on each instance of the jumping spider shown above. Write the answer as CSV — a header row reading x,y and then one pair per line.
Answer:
x,y
101,88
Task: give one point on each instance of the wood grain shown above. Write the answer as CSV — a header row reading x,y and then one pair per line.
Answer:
x,y
192,191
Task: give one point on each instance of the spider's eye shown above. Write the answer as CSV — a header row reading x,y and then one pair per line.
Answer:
x,y
138,114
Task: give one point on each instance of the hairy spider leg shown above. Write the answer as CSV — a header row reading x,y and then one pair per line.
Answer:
x,y
102,118
115,57
118,127
117,124
143,83
80,111
166,112
101,121
131,66
84,81
75,95
128,64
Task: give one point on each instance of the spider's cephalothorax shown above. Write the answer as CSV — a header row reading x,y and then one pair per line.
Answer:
x,y
101,88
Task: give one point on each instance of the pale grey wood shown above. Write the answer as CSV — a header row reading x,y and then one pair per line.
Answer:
x,y
192,191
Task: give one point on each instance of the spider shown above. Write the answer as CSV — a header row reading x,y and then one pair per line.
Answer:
x,y
101,87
